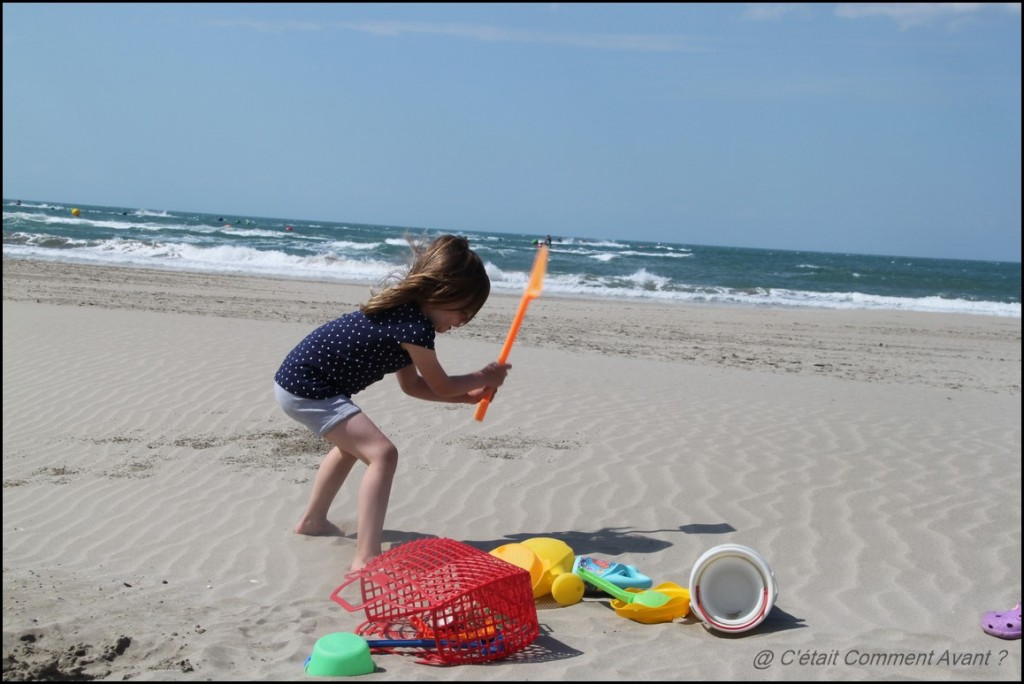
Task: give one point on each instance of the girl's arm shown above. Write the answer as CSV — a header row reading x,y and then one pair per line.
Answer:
x,y
426,379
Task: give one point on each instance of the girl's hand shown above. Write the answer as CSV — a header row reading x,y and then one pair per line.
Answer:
x,y
494,373
474,396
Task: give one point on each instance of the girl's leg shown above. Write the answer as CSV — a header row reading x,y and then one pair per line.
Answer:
x,y
332,473
357,437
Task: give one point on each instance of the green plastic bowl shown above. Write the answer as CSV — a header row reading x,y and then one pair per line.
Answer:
x,y
341,654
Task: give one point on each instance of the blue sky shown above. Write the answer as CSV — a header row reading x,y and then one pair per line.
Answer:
x,y
870,128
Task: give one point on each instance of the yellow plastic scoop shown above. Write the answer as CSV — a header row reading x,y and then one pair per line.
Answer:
x,y
540,267
678,605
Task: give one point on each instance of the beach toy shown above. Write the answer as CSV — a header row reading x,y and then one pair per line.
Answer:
x,y
494,644
344,654
649,598
486,630
732,588
522,556
622,576
447,592
567,589
1004,624
341,654
556,558
677,606
533,288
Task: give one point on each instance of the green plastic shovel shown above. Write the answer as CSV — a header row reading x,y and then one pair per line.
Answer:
x,y
649,597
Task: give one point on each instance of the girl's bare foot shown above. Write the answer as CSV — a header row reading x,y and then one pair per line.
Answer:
x,y
318,528
358,564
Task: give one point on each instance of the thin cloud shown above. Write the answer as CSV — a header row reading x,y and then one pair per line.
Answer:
x,y
765,11
269,26
485,33
909,15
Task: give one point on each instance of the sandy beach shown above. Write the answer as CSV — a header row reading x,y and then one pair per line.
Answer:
x,y
151,483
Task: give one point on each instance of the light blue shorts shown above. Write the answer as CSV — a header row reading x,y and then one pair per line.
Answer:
x,y
319,415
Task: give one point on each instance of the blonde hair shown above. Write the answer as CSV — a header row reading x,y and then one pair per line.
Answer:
x,y
445,273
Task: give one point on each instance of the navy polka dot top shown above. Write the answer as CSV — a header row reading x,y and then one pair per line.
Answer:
x,y
351,353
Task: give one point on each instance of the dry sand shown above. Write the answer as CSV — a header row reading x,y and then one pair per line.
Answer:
x,y
151,483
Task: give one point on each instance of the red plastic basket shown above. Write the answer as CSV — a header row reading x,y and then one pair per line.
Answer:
x,y
475,606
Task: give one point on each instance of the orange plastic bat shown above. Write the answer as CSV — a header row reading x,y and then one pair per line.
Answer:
x,y
540,267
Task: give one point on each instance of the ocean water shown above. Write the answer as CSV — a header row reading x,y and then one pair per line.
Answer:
x,y
619,269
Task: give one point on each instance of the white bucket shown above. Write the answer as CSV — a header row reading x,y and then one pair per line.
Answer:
x,y
732,588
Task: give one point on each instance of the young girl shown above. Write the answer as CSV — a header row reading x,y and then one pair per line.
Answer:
x,y
392,333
